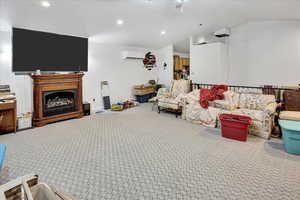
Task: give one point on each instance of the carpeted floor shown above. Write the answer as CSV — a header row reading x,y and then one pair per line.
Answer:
x,y
139,154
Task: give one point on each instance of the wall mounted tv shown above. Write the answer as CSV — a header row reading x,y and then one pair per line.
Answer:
x,y
33,50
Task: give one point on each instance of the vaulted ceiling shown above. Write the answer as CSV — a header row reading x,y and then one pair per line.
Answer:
x,y
143,19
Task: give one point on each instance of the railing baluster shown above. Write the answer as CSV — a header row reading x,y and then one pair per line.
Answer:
x,y
270,90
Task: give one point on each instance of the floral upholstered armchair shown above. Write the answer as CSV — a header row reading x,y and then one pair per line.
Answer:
x,y
174,99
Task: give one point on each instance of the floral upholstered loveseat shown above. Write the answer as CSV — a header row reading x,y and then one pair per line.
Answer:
x,y
261,108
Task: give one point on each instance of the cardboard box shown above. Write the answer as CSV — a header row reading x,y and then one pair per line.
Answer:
x,y
25,121
144,89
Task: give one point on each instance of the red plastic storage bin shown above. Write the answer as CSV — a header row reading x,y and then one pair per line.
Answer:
x,y
235,126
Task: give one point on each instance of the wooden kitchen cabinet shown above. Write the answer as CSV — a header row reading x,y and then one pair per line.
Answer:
x,y
180,64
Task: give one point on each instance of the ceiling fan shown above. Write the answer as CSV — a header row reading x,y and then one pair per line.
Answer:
x,y
180,4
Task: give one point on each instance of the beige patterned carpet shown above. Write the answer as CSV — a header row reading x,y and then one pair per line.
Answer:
x,y
139,154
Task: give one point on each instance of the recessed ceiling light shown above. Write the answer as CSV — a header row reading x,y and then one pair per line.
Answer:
x,y
45,4
120,22
163,32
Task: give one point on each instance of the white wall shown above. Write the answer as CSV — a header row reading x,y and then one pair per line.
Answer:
x,y
265,53
208,63
259,53
106,64
21,84
165,55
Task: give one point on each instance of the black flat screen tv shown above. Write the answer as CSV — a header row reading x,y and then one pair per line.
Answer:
x,y
35,50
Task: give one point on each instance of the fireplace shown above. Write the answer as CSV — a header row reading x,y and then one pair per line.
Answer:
x,y
57,97
59,102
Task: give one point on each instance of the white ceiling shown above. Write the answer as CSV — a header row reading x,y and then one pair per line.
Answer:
x,y
143,21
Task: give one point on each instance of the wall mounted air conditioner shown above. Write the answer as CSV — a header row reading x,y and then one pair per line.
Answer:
x,y
225,32
219,36
133,55
200,40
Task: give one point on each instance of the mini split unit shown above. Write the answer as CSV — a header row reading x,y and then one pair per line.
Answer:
x,y
128,54
217,36
225,32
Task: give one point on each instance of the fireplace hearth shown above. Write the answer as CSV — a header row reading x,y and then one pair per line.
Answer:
x,y
57,97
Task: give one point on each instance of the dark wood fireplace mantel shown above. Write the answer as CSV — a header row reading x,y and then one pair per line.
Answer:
x,y
51,83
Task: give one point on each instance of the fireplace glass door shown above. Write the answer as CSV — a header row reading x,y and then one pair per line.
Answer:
x,y
59,102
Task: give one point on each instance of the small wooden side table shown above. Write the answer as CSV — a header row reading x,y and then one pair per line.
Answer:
x,y
8,116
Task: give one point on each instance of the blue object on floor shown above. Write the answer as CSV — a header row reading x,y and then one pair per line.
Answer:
x,y
291,136
2,153
143,98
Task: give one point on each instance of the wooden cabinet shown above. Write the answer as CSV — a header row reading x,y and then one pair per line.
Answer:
x,y
185,61
181,64
177,63
8,116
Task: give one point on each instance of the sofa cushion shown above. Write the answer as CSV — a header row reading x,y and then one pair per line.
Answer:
x,y
248,90
169,105
255,101
180,87
180,98
256,115
230,102
261,129
248,101
207,117
264,100
222,104
228,96
290,115
193,97
167,102
236,99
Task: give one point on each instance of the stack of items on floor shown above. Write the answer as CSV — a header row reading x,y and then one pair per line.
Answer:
x,y
290,121
25,121
6,94
144,92
124,105
261,108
